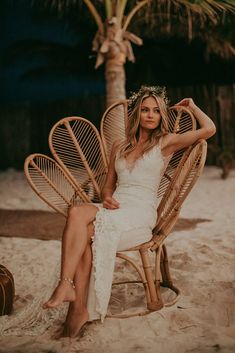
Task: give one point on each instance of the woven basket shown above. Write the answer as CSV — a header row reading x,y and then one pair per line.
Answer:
x,y
7,291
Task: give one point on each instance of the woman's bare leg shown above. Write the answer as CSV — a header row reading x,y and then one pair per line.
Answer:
x,y
74,242
77,314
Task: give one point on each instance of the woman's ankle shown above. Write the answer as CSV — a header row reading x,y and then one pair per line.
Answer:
x,y
68,280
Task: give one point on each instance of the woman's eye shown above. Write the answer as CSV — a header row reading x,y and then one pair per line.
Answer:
x,y
144,110
156,111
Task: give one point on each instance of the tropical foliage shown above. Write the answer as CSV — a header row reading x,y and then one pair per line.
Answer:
x,y
113,40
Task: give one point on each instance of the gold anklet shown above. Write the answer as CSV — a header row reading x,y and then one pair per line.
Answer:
x,y
67,279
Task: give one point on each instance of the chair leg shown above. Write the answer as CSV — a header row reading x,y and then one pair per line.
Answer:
x,y
139,271
144,282
155,302
165,275
152,283
165,271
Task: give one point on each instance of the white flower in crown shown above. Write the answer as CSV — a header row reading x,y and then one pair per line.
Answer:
x,y
147,90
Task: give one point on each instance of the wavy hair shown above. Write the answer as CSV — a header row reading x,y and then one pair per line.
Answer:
x,y
133,125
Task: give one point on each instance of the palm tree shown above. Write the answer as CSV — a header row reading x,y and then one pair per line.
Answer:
x,y
112,42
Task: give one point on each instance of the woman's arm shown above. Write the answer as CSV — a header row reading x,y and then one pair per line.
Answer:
x,y
174,142
110,182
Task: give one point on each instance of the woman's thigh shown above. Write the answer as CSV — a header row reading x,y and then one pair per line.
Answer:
x,y
85,212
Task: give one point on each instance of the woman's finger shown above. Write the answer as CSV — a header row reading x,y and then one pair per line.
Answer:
x,y
184,102
115,202
110,203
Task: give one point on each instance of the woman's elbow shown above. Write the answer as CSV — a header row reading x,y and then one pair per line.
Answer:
x,y
210,131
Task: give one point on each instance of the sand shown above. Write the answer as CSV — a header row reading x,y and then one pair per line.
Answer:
x,y
202,264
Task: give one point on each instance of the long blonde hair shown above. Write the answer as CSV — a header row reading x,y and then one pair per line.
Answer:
x,y
133,125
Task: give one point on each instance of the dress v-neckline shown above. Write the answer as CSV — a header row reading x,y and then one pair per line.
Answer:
x,y
131,167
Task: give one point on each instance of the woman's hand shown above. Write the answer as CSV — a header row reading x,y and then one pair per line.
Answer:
x,y
188,103
110,203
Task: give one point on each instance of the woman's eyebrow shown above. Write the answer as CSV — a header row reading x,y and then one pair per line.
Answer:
x,y
145,106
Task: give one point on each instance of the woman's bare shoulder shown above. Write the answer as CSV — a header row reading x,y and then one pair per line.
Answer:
x,y
167,139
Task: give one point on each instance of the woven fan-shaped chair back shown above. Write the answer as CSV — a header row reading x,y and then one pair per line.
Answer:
x,y
82,156
186,174
180,121
113,125
51,183
76,145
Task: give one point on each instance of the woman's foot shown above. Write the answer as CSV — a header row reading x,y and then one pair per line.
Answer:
x,y
64,292
75,323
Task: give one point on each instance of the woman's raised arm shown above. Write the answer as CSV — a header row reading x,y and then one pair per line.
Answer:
x,y
175,142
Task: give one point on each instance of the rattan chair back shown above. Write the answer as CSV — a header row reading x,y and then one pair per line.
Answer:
x,y
76,145
185,176
113,125
82,157
51,183
180,121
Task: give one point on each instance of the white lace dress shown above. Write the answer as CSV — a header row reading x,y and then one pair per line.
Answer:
x,y
117,229
129,225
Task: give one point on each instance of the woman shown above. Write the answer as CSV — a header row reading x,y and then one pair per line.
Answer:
x,y
135,170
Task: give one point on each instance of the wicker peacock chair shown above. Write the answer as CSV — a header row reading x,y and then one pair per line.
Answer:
x,y
77,174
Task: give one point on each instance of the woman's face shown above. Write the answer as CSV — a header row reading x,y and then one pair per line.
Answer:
x,y
150,117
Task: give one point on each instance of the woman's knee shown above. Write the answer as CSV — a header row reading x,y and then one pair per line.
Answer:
x,y
84,212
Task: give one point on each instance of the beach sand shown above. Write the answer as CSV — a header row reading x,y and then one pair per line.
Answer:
x,y
202,265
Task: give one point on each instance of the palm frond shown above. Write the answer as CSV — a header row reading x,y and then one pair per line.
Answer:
x,y
184,18
210,8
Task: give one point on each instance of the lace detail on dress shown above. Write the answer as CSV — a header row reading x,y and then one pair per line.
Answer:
x,y
104,248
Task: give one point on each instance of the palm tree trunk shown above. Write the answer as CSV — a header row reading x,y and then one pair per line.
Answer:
x,y
115,79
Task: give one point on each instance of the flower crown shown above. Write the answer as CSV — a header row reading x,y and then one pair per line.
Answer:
x,y
147,90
